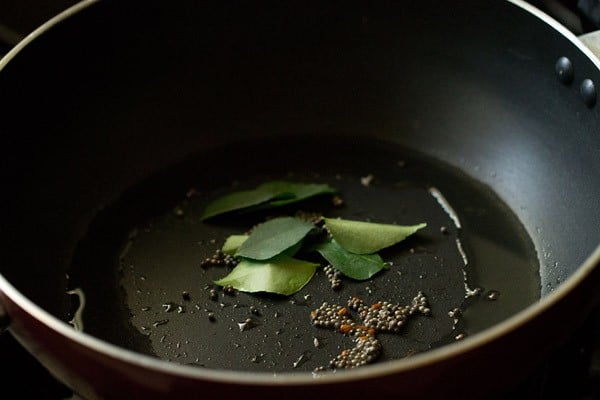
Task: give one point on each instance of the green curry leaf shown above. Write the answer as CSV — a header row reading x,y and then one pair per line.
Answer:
x,y
233,243
367,237
274,237
355,266
267,195
265,257
300,191
242,199
282,275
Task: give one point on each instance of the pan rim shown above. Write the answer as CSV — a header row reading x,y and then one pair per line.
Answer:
x,y
417,361
376,370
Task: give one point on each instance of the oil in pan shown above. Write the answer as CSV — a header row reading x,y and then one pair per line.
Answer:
x,y
147,287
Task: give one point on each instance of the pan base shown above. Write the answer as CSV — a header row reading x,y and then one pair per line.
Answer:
x,y
139,265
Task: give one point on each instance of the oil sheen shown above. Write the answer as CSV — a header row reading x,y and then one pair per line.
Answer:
x,y
145,289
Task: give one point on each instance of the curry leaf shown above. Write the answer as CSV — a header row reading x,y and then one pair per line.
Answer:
x,y
300,191
291,251
243,199
367,237
282,275
274,237
355,266
267,195
233,243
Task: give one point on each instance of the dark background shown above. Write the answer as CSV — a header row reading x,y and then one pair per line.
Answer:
x,y
19,17
571,372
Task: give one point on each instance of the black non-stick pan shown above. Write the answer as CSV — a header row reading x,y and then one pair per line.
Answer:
x,y
124,121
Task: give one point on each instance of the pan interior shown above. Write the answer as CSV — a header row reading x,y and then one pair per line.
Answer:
x,y
139,255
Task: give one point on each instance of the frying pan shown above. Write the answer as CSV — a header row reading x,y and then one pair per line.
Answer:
x,y
113,112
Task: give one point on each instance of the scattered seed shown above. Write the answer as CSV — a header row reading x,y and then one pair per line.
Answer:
x,y
254,310
337,201
229,290
219,259
179,212
455,313
247,324
444,230
160,322
211,317
381,316
186,295
214,295
327,316
333,276
367,349
366,180
492,295
460,336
